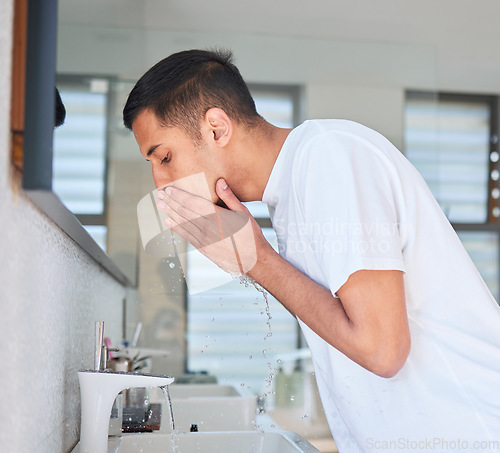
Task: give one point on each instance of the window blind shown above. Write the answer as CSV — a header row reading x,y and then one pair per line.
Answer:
x,y
448,142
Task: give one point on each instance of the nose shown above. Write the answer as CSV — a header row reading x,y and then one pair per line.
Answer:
x,y
160,178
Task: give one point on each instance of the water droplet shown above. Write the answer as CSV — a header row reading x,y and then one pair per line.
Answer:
x,y
292,398
172,265
250,357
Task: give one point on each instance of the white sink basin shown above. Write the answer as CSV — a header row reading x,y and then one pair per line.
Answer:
x,y
210,407
226,420
216,442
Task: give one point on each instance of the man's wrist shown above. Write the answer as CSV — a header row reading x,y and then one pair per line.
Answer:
x,y
267,260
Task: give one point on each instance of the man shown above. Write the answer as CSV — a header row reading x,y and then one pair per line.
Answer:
x,y
403,332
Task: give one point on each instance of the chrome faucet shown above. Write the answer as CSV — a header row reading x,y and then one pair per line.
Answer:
x,y
99,389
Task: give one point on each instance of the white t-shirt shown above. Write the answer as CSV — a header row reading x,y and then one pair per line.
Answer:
x,y
342,198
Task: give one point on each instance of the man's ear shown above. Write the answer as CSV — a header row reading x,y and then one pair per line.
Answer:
x,y
219,125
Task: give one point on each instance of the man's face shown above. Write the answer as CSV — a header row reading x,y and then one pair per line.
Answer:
x,y
173,154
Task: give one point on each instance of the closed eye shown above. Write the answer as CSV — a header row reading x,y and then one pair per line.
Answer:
x,y
166,159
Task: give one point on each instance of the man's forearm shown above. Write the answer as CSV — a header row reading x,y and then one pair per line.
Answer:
x,y
312,303
363,340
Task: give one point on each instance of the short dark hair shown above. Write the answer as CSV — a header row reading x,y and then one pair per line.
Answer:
x,y
181,88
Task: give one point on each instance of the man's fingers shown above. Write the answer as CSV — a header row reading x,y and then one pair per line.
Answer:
x,y
202,223
183,206
227,196
177,197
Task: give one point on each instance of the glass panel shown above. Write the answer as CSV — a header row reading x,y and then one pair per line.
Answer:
x,y
482,247
448,142
228,331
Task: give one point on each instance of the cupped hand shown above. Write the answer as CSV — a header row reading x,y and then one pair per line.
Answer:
x,y
228,237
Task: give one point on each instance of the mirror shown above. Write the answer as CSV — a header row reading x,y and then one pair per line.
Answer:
x,y
338,63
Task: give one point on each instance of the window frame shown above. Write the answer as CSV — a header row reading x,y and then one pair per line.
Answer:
x,y
85,80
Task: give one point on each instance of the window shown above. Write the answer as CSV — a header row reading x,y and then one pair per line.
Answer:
x,y
452,139
231,332
80,152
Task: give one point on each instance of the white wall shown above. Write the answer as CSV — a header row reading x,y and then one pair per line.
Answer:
x,y
376,107
51,293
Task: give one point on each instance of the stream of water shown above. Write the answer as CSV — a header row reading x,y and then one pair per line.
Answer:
x,y
247,281
175,438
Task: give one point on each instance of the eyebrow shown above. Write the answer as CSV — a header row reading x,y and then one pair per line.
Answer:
x,y
152,150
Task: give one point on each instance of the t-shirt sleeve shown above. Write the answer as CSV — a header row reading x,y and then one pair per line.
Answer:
x,y
352,207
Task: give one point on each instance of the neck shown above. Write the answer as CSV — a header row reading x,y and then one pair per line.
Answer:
x,y
256,152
